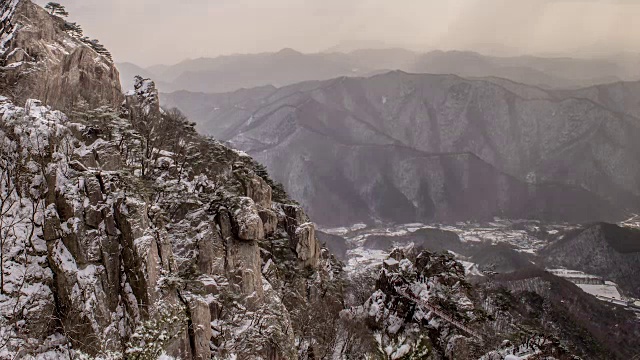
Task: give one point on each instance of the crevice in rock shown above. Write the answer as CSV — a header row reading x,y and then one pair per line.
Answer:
x,y
190,329
101,183
156,235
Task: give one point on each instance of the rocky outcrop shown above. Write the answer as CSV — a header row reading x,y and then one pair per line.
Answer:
x,y
307,246
302,234
258,190
148,243
201,323
423,307
145,241
42,61
246,220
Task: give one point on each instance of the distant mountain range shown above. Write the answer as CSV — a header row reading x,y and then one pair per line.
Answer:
x,y
407,147
286,67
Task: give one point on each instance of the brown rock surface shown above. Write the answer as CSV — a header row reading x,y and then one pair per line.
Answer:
x,y
49,64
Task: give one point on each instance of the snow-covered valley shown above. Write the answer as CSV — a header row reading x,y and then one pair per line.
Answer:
x,y
527,237
523,235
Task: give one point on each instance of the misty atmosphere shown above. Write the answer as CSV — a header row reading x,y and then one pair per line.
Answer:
x,y
279,179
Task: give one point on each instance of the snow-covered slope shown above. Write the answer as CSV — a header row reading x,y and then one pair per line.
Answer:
x,y
108,233
423,307
124,233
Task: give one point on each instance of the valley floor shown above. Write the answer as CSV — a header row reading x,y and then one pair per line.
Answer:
x,y
524,236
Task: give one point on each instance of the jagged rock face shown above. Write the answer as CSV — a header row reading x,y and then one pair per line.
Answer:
x,y
302,234
7,23
44,62
132,236
434,147
246,220
603,249
410,330
423,307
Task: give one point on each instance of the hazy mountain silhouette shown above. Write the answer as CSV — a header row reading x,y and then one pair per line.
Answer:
x,y
286,67
400,147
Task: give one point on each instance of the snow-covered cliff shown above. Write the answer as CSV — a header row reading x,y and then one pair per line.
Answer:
x,y
125,234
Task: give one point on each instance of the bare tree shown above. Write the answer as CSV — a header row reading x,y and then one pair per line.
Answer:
x,y
317,321
151,337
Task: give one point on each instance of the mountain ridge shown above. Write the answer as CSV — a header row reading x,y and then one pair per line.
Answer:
x,y
419,111
230,72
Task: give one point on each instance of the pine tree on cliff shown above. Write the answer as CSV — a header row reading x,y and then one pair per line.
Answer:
x,y
73,29
55,8
99,48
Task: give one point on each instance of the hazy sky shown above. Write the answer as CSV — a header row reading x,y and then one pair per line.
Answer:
x,y
149,32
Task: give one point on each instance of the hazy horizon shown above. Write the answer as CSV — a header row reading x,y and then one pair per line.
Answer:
x,y
338,49
146,32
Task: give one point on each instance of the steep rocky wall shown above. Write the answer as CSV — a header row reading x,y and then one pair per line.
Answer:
x,y
7,23
154,235
42,61
125,234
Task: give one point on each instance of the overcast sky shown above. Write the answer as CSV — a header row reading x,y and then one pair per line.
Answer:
x,y
148,32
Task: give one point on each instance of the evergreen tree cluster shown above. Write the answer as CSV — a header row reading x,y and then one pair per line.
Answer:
x,y
99,48
56,9
75,30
